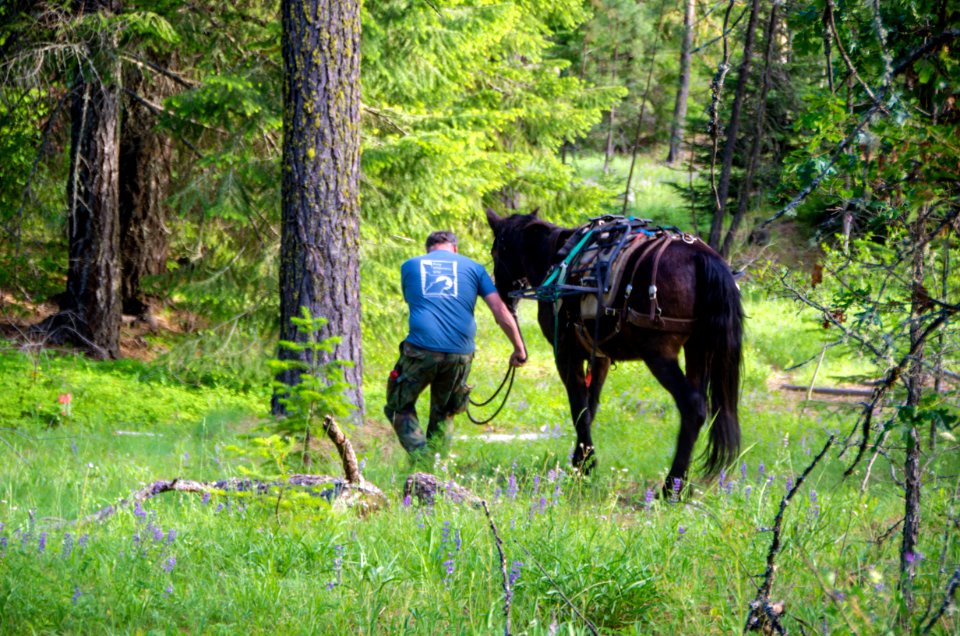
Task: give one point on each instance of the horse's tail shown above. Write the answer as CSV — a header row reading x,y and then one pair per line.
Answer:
x,y
719,332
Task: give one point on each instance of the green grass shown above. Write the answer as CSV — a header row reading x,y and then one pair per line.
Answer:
x,y
242,565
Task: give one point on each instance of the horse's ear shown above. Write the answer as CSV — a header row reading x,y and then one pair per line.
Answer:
x,y
493,219
536,211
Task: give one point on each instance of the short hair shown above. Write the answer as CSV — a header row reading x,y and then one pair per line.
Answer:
x,y
439,237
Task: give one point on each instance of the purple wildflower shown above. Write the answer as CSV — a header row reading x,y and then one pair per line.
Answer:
x,y
449,567
138,512
514,572
407,501
761,469
536,484
169,564
363,463
747,491
42,542
445,536
556,431
648,497
206,498
171,536
512,486
457,541
337,565
557,491
543,504
3,546
136,538
743,470
497,494
723,480
67,545
551,475
157,533
186,457
677,485
83,540
814,504
73,447
681,531
219,508
168,590
909,557
76,595
789,483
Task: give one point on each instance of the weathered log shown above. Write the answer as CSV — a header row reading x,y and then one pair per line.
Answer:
x,y
426,488
827,390
354,492
364,496
350,467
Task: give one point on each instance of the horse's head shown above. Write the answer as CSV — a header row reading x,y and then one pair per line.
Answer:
x,y
522,251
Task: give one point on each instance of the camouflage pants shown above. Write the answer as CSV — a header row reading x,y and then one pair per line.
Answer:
x,y
446,375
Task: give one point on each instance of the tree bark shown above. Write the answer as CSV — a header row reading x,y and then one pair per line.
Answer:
x,y
643,107
608,154
320,233
683,90
912,465
146,158
733,128
757,141
90,307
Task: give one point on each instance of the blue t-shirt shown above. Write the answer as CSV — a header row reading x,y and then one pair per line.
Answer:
x,y
441,289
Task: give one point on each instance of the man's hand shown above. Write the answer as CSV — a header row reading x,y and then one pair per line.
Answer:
x,y
518,358
508,323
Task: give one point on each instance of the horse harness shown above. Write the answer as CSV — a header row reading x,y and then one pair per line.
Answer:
x,y
592,264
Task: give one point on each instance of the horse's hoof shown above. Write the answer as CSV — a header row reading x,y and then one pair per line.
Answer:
x,y
584,462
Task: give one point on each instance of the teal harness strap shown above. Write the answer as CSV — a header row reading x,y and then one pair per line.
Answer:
x,y
559,274
558,277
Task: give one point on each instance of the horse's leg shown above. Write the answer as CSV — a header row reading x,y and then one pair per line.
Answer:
x,y
598,375
692,406
570,367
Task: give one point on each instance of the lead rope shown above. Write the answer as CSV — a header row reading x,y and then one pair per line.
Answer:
x,y
508,381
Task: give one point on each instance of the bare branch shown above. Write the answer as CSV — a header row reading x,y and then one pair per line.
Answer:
x,y
764,615
507,589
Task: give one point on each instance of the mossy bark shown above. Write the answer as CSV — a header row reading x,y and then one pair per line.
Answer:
x,y
320,233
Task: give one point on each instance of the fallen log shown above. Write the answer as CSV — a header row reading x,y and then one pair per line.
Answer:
x,y
353,492
427,487
826,390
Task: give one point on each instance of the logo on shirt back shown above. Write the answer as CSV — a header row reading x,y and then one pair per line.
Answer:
x,y
438,278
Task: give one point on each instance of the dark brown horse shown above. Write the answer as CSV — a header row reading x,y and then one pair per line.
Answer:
x,y
697,309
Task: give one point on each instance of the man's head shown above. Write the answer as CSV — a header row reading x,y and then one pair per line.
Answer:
x,y
442,239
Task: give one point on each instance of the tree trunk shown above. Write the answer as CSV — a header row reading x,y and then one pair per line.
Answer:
x,y
146,158
912,465
757,141
733,129
608,154
90,307
643,108
683,90
320,233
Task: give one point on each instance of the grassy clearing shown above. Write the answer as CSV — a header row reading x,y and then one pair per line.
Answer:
x,y
631,563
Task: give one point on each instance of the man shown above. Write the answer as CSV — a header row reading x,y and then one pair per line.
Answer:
x,y
441,289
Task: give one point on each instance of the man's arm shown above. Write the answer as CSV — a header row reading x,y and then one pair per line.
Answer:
x,y
509,325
